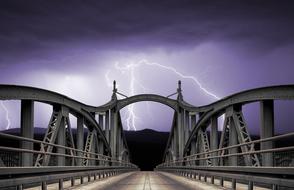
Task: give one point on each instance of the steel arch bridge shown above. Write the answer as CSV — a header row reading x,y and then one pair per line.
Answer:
x,y
192,150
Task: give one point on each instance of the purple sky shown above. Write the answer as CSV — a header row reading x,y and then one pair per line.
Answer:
x,y
72,48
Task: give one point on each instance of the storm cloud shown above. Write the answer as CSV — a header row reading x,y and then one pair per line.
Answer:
x,y
69,46
31,27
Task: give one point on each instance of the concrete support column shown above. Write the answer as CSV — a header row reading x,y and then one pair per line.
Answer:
x,y
267,130
180,133
200,148
107,125
233,140
214,138
80,137
175,145
119,141
27,130
113,133
101,123
93,148
193,121
193,143
61,141
100,149
100,146
200,114
186,126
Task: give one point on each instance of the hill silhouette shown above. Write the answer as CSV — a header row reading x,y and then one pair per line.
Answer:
x,y
146,146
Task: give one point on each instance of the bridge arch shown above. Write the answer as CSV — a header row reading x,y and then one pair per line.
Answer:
x,y
124,155
15,92
147,97
282,92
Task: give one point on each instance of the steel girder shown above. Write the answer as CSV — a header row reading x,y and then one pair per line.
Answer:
x,y
2,163
50,137
235,115
69,140
224,141
203,145
88,147
244,137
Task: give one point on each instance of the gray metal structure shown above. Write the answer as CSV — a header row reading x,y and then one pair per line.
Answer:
x,y
192,150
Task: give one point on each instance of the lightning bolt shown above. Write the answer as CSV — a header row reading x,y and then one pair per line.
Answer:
x,y
172,69
130,114
108,81
130,68
6,115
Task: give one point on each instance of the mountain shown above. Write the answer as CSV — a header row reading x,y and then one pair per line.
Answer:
x,y
146,147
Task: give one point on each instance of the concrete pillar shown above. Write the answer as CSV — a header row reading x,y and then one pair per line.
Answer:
x,y
193,121
187,126
61,141
200,148
193,143
267,130
107,125
100,150
119,141
80,137
200,114
180,133
94,147
100,146
214,138
113,132
101,123
233,140
27,130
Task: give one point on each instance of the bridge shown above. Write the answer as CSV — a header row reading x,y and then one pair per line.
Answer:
x,y
196,150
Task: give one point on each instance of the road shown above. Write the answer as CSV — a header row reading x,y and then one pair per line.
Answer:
x,y
145,181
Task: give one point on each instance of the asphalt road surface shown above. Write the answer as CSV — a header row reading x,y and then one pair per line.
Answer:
x,y
146,181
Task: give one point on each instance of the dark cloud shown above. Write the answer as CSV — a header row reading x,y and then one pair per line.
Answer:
x,y
61,36
36,25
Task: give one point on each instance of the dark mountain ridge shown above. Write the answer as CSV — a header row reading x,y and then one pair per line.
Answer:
x,y
146,146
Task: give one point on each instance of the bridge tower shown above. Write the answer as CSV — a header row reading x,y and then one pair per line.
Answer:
x,y
182,128
115,135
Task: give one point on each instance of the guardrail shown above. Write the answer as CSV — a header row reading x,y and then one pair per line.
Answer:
x,y
281,174
12,174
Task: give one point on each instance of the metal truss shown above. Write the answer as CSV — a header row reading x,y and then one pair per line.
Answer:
x,y
50,137
88,147
243,137
205,145
202,146
2,163
224,141
69,140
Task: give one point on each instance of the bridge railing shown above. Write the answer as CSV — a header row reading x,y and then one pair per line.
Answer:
x,y
100,158
281,174
13,174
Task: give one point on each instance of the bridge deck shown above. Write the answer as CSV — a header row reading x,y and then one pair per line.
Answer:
x,y
145,181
